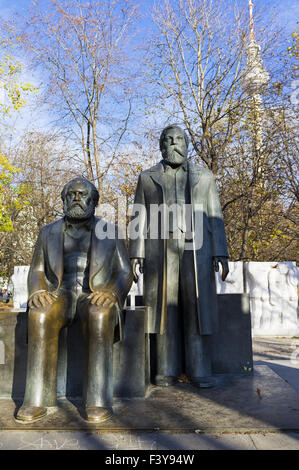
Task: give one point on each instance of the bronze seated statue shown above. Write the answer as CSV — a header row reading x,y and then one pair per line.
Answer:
x,y
74,273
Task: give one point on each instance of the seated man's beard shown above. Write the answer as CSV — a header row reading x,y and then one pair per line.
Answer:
x,y
174,156
78,211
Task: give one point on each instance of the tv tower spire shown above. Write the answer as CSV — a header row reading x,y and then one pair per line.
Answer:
x,y
251,20
255,82
256,78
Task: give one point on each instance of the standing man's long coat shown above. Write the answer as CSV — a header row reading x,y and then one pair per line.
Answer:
x,y
205,204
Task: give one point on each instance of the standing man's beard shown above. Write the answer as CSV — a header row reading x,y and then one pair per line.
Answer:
x,y
174,156
78,211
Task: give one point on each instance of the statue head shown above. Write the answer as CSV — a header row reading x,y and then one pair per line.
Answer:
x,y
174,144
80,198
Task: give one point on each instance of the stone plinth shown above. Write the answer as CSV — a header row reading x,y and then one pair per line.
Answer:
x,y
13,339
232,344
131,357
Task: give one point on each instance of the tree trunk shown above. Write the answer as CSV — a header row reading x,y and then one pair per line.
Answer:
x,y
89,162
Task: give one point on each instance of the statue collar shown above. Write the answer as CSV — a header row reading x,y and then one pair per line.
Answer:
x,y
87,224
166,166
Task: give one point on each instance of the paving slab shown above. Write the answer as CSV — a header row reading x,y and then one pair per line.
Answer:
x,y
281,355
273,441
204,441
256,403
76,440
150,441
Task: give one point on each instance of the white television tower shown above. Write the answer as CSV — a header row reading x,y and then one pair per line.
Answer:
x,y
255,82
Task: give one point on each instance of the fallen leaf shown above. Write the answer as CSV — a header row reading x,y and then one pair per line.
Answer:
x,y
183,379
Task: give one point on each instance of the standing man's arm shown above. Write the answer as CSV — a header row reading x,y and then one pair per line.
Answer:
x,y
220,253
137,230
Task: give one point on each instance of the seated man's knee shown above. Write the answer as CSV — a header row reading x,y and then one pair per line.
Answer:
x,y
100,313
42,314
38,318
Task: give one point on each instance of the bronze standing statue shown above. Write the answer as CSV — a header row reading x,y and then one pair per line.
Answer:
x,y
179,282
74,273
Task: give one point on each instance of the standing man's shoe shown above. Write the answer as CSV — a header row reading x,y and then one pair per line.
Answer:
x,y
165,380
203,382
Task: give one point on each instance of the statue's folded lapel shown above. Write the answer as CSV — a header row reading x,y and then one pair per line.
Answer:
x,y
99,249
194,176
156,174
55,249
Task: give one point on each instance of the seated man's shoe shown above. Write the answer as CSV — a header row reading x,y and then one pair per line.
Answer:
x,y
30,413
98,414
203,382
165,380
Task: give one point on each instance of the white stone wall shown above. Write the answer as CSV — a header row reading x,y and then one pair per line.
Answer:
x,y
273,291
272,287
20,292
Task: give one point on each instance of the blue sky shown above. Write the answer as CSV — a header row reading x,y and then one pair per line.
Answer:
x,y
287,11
286,14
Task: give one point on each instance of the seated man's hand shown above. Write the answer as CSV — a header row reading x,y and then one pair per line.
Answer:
x,y
42,299
103,298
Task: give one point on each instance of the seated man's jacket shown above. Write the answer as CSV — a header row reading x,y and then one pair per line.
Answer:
x,y
109,265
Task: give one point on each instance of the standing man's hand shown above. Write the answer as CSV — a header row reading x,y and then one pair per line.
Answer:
x,y
134,263
224,263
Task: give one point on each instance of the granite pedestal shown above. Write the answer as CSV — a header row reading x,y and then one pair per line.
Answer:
x,y
13,338
232,344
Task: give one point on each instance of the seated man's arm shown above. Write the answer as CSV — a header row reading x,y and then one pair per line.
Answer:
x,y
37,282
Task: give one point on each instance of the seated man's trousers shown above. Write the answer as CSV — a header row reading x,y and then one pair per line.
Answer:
x,y
44,325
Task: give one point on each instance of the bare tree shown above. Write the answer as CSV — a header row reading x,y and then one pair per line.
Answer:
x,y
197,68
197,65
81,48
44,167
